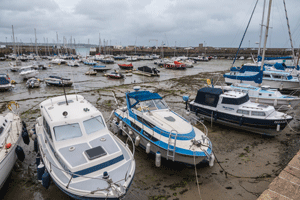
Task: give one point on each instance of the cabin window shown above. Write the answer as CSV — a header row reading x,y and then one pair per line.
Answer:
x,y
259,94
67,132
267,76
47,128
93,125
235,101
244,112
149,104
132,101
1,129
258,113
209,99
270,95
276,76
160,104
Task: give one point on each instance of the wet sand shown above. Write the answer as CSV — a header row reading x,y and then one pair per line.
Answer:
x,y
253,159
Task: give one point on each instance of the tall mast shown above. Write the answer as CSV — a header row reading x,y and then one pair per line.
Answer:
x,y
36,51
12,26
99,44
288,25
266,36
261,27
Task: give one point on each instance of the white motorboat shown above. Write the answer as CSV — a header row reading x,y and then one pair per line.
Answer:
x,y
73,63
28,72
234,109
5,82
159,130
10,136
83,158
33,83
58,81
15,66
58,61
265,95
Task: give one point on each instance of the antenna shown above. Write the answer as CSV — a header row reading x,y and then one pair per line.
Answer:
x,y
64,90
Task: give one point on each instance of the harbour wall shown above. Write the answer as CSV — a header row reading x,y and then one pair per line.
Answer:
x,y
165,52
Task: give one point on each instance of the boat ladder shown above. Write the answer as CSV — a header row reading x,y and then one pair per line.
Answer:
x,y
172,145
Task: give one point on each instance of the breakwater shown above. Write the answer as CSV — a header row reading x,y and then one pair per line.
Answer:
x,y
166,51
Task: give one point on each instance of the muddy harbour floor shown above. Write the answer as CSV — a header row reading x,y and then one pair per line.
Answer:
x,y
249,162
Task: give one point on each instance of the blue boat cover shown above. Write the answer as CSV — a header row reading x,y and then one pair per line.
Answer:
x,y
144,95
259,58
208,96
4,79
257,78
246,68
280,66
99,66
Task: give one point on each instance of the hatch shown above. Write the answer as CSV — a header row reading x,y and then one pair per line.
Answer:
x,y
95,153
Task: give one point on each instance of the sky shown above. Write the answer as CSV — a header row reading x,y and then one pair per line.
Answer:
x,y
216,23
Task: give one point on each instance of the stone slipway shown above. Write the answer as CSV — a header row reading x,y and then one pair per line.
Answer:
x,y
287,185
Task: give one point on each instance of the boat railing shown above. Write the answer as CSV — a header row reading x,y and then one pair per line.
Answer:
x,y
111,185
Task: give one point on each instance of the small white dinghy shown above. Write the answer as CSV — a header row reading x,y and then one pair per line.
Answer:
x,y
10,135
83,158
33,83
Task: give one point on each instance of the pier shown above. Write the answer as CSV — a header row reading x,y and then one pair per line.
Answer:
x,y
287,185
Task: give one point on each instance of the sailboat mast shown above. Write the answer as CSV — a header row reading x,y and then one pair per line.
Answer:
x,y
99,44
288,25
261,28
36,51
266,36
13,33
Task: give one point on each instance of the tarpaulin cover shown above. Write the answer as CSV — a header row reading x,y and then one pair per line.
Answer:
x,y
144,95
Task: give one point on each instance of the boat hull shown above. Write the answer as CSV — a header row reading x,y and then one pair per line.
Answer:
x,y
7,164
286,85
145,139
265,127
282,104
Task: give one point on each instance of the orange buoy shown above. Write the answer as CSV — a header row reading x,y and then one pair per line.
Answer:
x,y
8,145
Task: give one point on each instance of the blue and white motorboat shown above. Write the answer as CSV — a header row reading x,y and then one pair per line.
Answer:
x,y
100,68
265,95
158,129
5,82
234,109
90,62
83,158
58,81
11,132
107,60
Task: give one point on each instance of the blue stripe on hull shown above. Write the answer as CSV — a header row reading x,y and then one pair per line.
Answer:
x,y
162,144
99,167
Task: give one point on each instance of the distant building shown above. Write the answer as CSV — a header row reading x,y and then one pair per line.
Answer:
x,y
118,47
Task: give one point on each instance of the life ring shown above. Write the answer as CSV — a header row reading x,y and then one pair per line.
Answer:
x,y
12,102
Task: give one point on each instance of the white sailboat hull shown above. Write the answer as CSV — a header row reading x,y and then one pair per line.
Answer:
x,y
287,85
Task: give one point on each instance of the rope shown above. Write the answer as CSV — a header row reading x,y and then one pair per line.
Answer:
x,y
244,34
197,176
264,175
